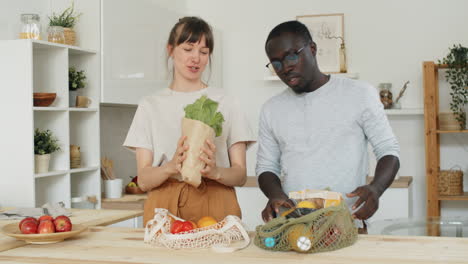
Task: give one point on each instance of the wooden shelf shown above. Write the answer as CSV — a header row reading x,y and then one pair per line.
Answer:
x,y
463,197
441,66
433,142
451,131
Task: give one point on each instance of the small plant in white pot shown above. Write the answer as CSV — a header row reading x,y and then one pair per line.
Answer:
x,y
67,19
76,80
44,144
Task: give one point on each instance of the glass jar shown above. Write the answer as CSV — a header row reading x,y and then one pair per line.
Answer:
x,y
386,96
30,27
56,35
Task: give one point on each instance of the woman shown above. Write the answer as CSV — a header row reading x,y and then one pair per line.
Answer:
x,y
160,150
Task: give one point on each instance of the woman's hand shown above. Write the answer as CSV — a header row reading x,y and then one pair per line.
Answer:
x,y
175,165
208,156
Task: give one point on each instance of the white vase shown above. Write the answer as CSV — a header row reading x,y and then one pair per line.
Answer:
x,y
41,163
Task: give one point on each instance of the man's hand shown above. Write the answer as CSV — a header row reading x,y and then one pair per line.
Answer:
x,y
367,195
273,206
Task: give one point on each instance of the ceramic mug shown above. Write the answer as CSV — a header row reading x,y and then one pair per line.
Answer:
x,y
83,101
113,188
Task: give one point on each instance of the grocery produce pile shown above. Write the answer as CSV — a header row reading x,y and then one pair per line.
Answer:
x,y
319,222
173,232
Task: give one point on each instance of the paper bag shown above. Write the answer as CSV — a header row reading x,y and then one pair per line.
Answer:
x,y
197,133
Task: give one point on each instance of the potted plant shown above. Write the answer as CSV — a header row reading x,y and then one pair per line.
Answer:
x,y
44,144
76,80
67,19
457,77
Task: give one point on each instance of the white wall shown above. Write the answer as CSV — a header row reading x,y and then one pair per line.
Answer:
x,y
115,122
10,11
387,41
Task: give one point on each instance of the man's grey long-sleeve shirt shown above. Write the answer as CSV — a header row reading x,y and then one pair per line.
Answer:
x,y
319,139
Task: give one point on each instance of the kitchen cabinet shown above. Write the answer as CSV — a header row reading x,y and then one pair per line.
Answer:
x,y
134,38
29,66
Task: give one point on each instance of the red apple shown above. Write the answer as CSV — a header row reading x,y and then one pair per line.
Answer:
x,y
29,227
46,217
46,227
135,180
63,217
26,219
62,224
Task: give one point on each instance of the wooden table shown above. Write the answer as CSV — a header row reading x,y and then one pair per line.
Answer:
x,y
87,217
125,245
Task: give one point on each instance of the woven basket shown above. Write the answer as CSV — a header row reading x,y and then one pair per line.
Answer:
x,y
70,36
450,182
448,121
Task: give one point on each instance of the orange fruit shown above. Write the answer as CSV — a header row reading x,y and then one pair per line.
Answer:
x,y
300,238
206,221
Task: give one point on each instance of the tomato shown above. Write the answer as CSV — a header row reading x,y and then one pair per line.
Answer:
x,y
332,236
181,226
193,224
187,226
177,226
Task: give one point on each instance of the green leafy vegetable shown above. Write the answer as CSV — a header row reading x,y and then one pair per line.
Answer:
x,y
204,110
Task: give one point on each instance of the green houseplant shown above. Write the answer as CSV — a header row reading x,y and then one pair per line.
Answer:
x,y
457,76
44,144
67,19
76,80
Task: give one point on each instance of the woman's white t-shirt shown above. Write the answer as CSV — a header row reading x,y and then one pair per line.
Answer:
x,y
157,122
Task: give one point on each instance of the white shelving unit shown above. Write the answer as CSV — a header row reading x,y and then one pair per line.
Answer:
x,y
29,66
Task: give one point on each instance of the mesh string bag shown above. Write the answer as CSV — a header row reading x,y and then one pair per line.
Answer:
x,y
220,237
325,229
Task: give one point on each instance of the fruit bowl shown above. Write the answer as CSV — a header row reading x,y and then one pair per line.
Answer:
x,y
44,99
12,230
133,190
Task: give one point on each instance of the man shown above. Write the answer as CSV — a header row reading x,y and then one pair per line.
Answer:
x,y
315,134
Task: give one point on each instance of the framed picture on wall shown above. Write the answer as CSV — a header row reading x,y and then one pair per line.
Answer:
x,y
328,33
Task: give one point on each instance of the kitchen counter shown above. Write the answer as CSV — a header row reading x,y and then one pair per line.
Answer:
x,y
126,202
87,217
125,245
136,201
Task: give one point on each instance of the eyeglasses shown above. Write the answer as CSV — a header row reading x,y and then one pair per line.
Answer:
x,y
292,59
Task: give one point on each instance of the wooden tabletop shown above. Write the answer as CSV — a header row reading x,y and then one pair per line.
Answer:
x,y
125,245
86,217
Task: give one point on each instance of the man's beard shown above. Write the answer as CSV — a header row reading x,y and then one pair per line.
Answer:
x,y
300,88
